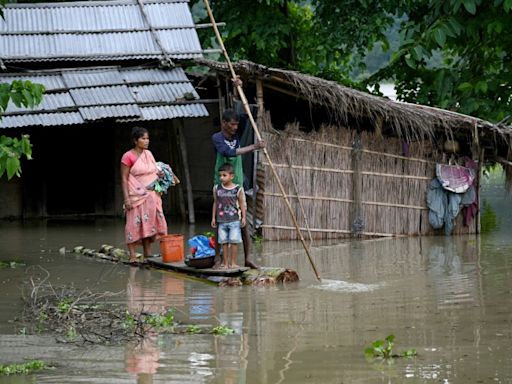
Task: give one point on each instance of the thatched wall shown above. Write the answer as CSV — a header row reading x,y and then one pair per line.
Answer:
x,y
338,188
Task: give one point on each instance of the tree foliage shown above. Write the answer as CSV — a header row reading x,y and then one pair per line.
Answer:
x,y
456,55
22,94
326,38
453,54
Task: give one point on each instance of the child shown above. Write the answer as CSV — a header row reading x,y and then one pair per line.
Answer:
x,y
228,200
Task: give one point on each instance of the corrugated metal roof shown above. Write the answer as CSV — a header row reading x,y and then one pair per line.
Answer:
x,y
161,92
50,82
76,96
173,112
41,119
97,30
51,102
118,94
92,77
109,111
153,75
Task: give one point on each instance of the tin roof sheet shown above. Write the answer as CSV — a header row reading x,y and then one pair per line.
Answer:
x,y
98,30
75,96
41,119
171,112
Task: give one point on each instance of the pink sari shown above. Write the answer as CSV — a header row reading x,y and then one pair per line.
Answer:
x,y
146,218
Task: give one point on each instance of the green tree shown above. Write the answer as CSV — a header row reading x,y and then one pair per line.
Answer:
x,y
453,54
456,55
326,38
22,94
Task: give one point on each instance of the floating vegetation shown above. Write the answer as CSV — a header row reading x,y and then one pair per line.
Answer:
x,y
222,330
24,368
384,349
82,316
12,264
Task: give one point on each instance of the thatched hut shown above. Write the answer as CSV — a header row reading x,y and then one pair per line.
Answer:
x,y
353,163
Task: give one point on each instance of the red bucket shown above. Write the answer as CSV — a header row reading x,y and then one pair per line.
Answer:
x,y
172,248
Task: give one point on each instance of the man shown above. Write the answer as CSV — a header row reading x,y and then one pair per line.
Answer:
x,y
228,150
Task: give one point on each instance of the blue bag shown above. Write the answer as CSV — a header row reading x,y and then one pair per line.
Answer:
x,y
202,245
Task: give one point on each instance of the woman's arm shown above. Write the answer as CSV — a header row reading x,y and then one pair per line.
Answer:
x,y
125,173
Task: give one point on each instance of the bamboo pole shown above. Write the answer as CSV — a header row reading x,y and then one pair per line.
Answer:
x,y
349,171
261,111
340,200
329,230
256,130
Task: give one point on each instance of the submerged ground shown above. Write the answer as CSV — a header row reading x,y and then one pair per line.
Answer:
x,y
448,297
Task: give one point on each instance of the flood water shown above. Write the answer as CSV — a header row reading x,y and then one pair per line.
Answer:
x,y
449,298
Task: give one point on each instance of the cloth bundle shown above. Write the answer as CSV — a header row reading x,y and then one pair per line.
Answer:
x,y
168,179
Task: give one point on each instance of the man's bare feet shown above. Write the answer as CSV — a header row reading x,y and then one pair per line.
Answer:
x,y
249,263
217,265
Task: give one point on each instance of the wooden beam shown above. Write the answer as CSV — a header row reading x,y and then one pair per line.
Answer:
x,y
186,170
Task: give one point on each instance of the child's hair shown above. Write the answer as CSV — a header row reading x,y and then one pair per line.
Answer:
x,y
226,167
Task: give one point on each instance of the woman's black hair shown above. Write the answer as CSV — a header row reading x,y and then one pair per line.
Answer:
x,y
138,132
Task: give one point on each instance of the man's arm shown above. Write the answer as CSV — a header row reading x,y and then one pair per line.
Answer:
x,y
250,148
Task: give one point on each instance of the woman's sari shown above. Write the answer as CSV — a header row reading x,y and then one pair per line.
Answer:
x,y
146,218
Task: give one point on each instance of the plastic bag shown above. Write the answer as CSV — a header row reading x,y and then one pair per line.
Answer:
x,y
202,245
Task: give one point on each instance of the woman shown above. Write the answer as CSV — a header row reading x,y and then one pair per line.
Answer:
x,y
145,220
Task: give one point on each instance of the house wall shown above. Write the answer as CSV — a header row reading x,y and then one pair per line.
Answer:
x,y
342,183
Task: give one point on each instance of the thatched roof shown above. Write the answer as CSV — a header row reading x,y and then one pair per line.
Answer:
x,y
410,121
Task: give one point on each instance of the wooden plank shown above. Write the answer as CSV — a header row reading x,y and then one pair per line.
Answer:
x,y
182,267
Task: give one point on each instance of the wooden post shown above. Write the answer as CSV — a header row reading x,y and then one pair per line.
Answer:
x,y
479,191
222,103
357,222
186,171
175,156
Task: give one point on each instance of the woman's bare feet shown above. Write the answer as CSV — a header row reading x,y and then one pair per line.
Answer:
x,y
234,266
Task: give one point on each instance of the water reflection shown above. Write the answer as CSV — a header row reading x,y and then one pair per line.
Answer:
x,y
141,359
448,297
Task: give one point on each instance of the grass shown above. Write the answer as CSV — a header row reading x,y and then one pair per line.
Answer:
x,y
23,369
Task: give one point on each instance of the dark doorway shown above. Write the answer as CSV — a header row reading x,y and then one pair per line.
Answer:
x,y
79,169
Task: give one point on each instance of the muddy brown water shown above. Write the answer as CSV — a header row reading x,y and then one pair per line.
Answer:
x,y
448,297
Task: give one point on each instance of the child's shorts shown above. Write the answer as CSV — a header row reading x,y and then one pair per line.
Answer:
x,y
230,233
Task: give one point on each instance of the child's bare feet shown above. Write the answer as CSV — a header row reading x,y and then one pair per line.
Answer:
x,y
234,266
223,266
